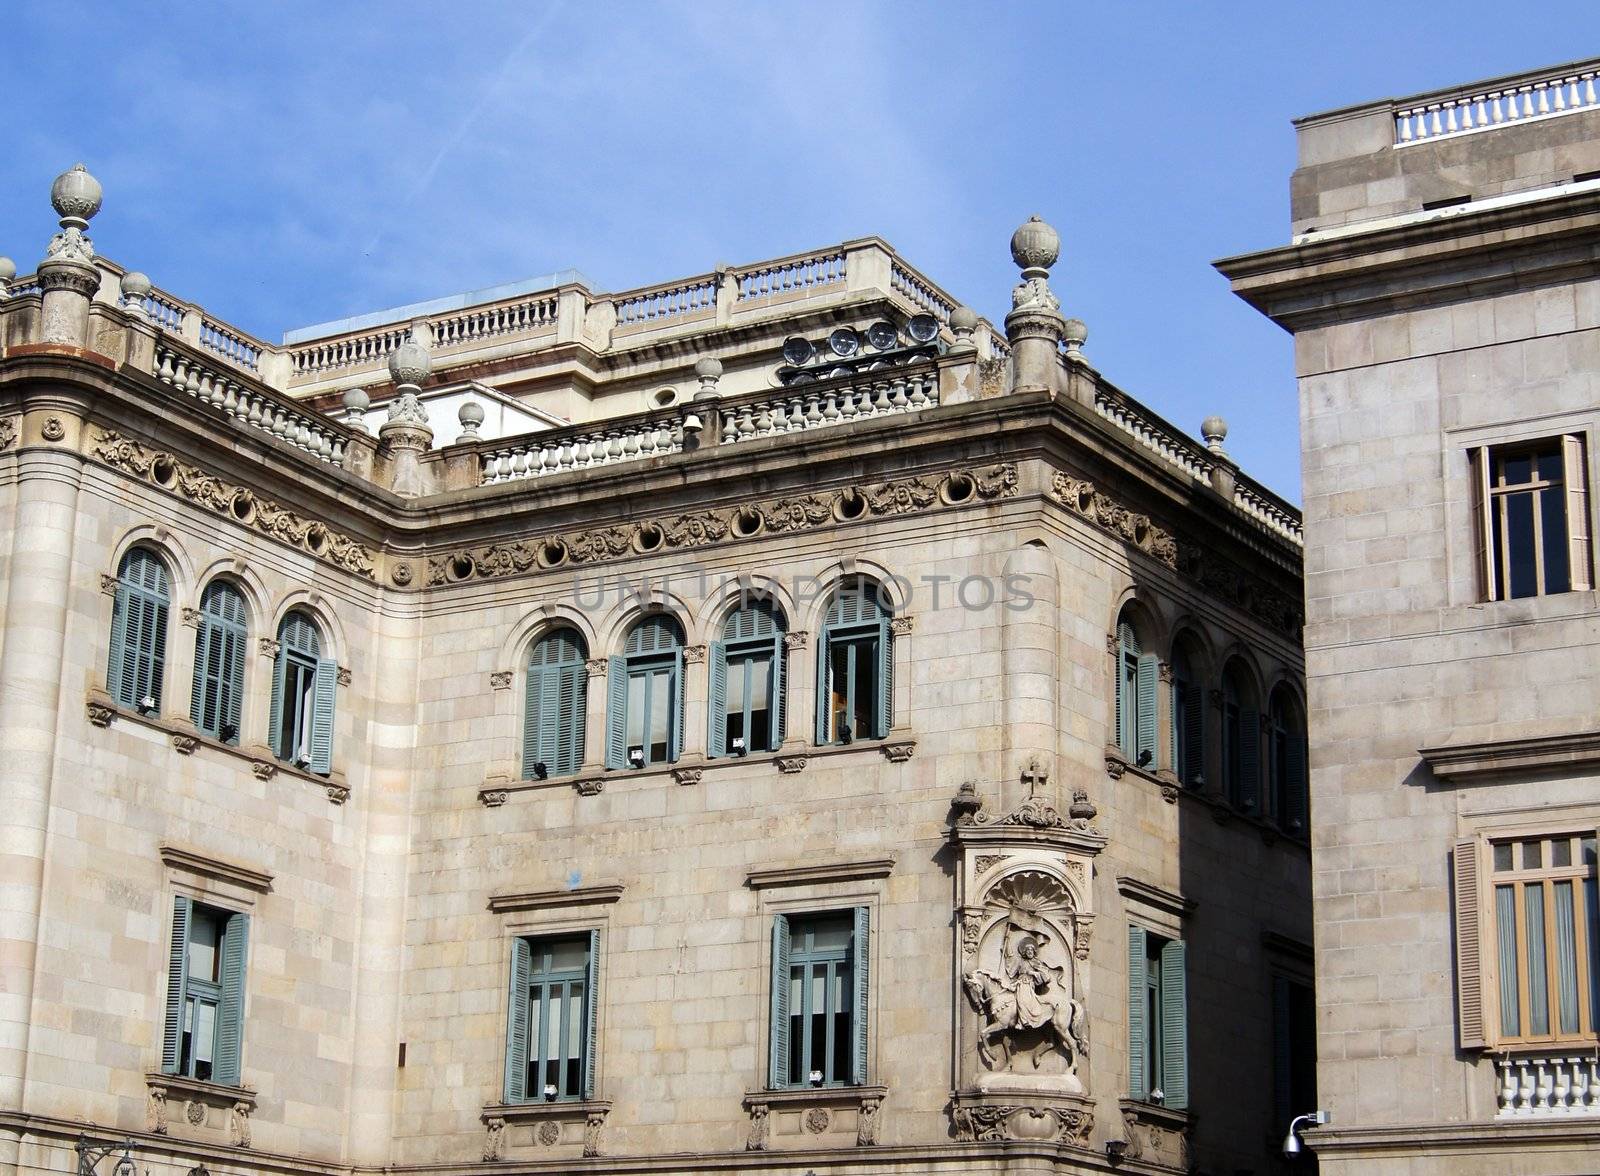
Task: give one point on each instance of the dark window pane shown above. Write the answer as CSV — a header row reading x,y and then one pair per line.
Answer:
x,y
839,684
1516,468
1519,544
1532,859
1502,855
1550,465
866,689
1561,851
1553,522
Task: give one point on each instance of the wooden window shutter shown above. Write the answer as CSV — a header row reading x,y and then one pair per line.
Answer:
x,y
1194,734
780,691
676,702
1483,525
120,666
1127,643
591,1007
517,1022
1174,1041
1576,481
323,687
1138,983
572,700
1466,865
1149,675
1250,761
280,676
860,957
824,702
230,1014
533,720
884,714
717,705
204,699
778,1033
617,712
177,981
1297,787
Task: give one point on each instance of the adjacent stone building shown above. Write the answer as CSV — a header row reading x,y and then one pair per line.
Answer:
x,y
1443,288
768,722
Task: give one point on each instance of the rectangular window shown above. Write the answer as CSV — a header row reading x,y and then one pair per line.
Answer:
x,y
205,993
1294,1051
1531,511
1545,919
551,1027
819,988
855,707
1158,1034
649,715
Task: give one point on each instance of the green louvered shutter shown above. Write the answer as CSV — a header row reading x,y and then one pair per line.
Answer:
x,y
322,696
177,981
534,734
717,704
780,691
1127,644
1282,1054
119,659
591,1006
1250,761
823,701
675,725
1194,735
517,1022
280,675
1174,1026
1138,984
1295,787
202,703
1148,675
617,712
572,697
778,1052
860,957
884,713
230,1013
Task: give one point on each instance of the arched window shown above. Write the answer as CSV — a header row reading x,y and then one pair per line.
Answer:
x,y
855,666
552,719
1241,739
139,631
747,682
1137,675
1188,716
303,684
219,650
1286,761
645,702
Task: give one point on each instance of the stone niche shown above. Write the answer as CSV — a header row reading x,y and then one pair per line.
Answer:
x,y
1025,913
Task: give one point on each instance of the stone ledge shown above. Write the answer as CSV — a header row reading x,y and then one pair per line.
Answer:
x,y
548,1124
544,900
813,1111
1426,1140
802,875
1469,763
198,863
199,1098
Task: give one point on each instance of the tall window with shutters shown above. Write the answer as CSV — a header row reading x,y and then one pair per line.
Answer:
x,y
1531,514
1528,939
1138,673
644,708
1294,1051
855,666
551,1023
1241,739
219,652
137,657
204,1029
1286,762
303,685
1188,716
747,711
819,999
553,713
1158,1020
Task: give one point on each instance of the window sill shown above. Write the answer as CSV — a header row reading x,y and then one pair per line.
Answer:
x,y
1155,1134
530,1128
209,1108
102,710
1117,766
813,1116
691,768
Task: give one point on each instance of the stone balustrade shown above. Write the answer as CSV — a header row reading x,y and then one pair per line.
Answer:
x,y
559,451
532,316
1516,100
801,407
235,348
918,290
1548,1086
667,302
791,275
249,405
1269,510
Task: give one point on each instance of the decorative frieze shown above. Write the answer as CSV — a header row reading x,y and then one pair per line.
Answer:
x,y
241,505
699,529
8,432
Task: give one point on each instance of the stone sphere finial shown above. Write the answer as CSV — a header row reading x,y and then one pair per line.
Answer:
x,y
410,363
709,370
355,401
75,196
1074,334
1215,430
8,269
963,320
135,289
471,415
1035,246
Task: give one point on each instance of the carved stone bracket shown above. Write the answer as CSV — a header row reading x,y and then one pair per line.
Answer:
x,y
268,646
899,751
687,775
191,617
494,1141
595,667
814,1117
101,711
8,431
108,584
493,797
341,675
184,744
1116,763
501,680
337,793
1156,1134
211,1112
1065,1119
795,640
901,626
532,1130
593,786
694,655
263,769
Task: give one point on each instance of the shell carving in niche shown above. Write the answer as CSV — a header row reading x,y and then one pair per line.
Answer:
x,y
1030,892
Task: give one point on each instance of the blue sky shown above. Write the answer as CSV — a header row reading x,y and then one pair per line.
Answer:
x,y
287,163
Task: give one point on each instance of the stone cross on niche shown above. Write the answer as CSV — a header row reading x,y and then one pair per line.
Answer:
x,y
1035,777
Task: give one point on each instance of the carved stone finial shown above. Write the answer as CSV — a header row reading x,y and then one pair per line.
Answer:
x,y
1082,808
355,402
135,289
964,325
8,270
967,803
407,434
471,417
75,196
1075,334
67,275
708,370
1215,431
410,363
1035,247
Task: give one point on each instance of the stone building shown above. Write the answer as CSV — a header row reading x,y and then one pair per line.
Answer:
x,y
768,722
1443,288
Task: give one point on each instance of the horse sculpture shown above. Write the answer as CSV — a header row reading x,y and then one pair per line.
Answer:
x,y
1028,996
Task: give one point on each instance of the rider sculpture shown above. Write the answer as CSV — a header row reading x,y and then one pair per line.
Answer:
x,y
1029,994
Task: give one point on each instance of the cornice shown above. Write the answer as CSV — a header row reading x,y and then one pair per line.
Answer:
x,y
544,900
820,873
1150,895
192,862
1470,763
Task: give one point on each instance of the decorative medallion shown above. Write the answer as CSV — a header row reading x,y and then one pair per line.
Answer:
x,y
817,1120
549,1133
